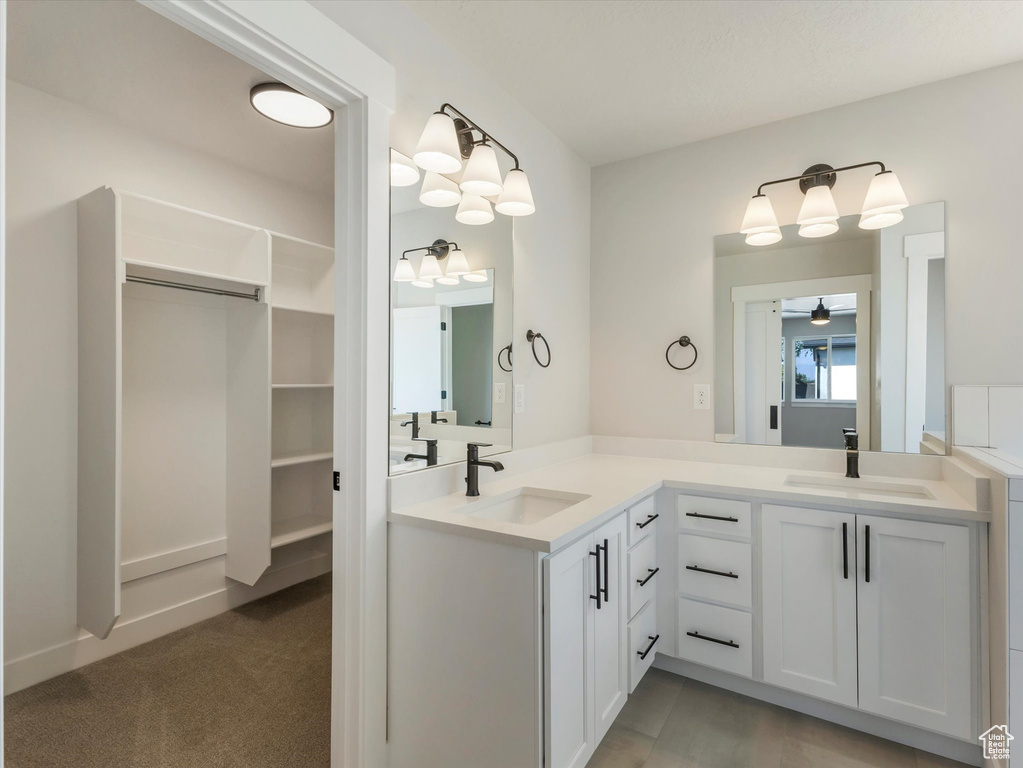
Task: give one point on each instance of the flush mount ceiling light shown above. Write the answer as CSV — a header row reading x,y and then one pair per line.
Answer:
x,y
450,138
404,173
821,315
818,215
285,105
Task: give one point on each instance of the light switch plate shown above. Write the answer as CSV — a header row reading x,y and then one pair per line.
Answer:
x,y
701,397
499,393
520,398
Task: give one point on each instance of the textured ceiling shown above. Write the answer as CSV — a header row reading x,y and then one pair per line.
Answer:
x,y
617,79
129,63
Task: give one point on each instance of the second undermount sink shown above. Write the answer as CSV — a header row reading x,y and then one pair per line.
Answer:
x,y
860,487
523,506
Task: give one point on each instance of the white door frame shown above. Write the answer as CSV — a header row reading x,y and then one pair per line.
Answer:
x,y
918,251
743,294
298,45
3,328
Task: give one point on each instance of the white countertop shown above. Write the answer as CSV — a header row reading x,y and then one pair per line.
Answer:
x,y
614,483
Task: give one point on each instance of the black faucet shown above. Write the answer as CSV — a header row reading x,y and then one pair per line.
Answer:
x,y
472,467
852,452
435,420
415,424
431,452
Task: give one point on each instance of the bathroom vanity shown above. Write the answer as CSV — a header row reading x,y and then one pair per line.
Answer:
x,y
521,620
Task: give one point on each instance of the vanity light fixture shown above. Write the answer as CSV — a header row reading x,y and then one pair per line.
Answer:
x,y
404,272
285,105
479,276
818,215
821,315
439,191
429,268
449,138
404,173
474,210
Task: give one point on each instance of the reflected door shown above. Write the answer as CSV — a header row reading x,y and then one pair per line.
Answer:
x,y
763,373
416,359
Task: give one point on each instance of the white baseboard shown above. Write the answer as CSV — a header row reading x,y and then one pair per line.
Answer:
x,y
42,665
946,746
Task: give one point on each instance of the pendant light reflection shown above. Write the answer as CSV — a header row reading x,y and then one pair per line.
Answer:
x,y
404,173
821,315
439,191
404,271
818,216
474,210
479,276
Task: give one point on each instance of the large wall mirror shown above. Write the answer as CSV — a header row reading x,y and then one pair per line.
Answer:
x,y
451,379
843,332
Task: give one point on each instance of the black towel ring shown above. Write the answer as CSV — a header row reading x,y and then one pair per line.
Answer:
x,y
531,338
500,365
682,342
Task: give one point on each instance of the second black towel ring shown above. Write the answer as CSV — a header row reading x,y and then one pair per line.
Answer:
x,y
500,365
684,341
531,338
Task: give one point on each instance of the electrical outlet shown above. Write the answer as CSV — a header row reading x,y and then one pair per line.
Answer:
x,y
520,398
701,397
499,393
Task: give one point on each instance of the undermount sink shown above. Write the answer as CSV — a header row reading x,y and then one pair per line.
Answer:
x,y
860,487
523,506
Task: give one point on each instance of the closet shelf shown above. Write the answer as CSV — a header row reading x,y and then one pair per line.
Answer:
x,y
294,529
301,310
292,458
153,269
303,386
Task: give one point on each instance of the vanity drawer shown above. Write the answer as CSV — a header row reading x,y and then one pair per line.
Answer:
x,y
641,519
700,513
725,636
715,569
644,643
643,574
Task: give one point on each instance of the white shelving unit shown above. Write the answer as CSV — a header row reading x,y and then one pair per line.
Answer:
x,y
184,435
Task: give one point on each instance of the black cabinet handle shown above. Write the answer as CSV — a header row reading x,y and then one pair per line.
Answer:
x,y
651,572
649,519
653,641
600,593
845,550
698,636
698,569
607,597
866,541
712,517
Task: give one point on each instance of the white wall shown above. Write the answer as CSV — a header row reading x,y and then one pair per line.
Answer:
x,y
552,278
654,219
63,152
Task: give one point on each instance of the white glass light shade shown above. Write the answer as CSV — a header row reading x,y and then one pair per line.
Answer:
x,y
884,202
517,197
285,105
404,172
439,191
818,216
759,217
457,264
766,237
479,276
403,271
437,149
429,269
474,210
446,280
423,283
482,176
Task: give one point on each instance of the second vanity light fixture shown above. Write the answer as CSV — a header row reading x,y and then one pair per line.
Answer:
x,y
449,138
818,216
429,268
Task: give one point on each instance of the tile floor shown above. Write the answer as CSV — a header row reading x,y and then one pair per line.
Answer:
x,y
674,722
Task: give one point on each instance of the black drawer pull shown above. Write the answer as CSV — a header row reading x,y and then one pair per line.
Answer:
x,y
697,568
651,573
712,517
649,519
653,641
698,636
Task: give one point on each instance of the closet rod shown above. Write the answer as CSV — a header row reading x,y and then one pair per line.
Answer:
x,y
196,288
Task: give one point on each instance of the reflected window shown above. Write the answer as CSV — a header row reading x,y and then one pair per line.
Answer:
x,y
825,368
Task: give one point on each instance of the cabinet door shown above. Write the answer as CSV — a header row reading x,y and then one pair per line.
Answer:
x,y
569,580
914,623
610,623
809,601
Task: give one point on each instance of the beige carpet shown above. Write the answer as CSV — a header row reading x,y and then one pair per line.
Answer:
x,y
249,688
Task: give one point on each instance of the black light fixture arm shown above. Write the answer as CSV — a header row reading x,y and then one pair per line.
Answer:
x,y
818,174
437,246
472,124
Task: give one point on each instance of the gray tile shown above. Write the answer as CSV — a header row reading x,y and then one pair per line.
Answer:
x,y
650,704
712,728
814,743
621,748
928,760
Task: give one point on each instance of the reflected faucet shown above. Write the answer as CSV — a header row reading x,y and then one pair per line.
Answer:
x,y
431,452
852,453
415,424
472,467
435,420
